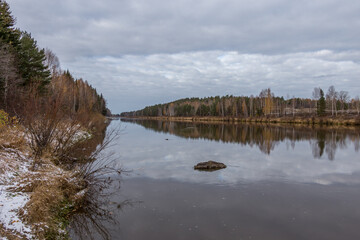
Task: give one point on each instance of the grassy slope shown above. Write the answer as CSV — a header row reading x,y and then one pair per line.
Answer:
x,y
35,203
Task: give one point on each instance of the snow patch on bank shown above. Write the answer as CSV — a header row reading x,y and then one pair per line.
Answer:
x,y
81,135
10,204
13,165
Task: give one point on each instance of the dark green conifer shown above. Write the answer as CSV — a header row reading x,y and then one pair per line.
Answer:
x,y
321,106
31,62
8,33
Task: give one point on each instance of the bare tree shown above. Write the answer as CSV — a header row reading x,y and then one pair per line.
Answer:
x,y
262,97
251,105
293,106
9,78
52,61
344,98
332,96
268,106
316,95
357,104
244,108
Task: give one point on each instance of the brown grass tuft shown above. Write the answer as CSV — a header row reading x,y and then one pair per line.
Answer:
x,y
51,193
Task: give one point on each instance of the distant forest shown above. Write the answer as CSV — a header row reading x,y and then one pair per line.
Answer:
x,y
266,104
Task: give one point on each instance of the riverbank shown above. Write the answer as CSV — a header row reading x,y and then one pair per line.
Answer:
x,y
38,202
341,120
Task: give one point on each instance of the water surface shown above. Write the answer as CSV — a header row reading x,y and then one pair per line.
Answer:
x,y
282,182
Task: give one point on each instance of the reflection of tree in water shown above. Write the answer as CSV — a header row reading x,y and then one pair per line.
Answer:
x,y
98,171
266,137
331,144
331,139
356,139
319,144
266,143
357,144
97,213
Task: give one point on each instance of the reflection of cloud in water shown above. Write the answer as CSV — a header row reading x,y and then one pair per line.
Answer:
x,y
328,179
150,155
265,137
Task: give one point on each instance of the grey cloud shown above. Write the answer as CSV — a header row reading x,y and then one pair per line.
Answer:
x,y
140,52
115,28
133,81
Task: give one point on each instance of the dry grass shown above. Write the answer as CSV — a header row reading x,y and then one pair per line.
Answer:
x,y
48,187
12,148
54,198
49,193
56,194
12,137
10,235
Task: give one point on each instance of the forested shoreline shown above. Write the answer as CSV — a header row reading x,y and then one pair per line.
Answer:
x,y
262,108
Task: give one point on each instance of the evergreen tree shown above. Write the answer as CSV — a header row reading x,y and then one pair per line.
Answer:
x,y
31,62
321,104
203,110
8,33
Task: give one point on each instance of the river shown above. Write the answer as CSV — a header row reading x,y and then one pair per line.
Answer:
x,y
281,182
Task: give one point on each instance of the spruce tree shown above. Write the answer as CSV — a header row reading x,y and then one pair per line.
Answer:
x,y
8,33
321,104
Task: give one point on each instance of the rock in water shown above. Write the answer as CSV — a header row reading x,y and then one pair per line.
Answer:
x,y
209,166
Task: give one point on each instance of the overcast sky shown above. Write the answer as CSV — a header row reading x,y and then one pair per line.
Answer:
x,y
144,52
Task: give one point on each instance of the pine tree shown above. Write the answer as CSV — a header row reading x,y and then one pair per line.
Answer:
x,y
31,62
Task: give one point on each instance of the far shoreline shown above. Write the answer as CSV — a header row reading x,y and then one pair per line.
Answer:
x,y
307,120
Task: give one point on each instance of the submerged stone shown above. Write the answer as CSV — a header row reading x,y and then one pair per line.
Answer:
x,y
209,166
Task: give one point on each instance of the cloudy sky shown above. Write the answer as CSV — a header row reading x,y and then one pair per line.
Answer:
x,y
144,52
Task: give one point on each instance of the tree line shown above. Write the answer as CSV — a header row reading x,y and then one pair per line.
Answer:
x,y
266,104
31,77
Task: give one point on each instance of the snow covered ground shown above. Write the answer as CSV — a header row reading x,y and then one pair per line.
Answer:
x,y
13,165
16,177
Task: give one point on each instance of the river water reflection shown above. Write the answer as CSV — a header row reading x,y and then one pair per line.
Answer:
x,y
251,152
282,182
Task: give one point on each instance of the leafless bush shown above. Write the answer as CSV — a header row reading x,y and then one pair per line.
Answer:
x,y
49,125
41,116
80,195
55,131
97,174
64,142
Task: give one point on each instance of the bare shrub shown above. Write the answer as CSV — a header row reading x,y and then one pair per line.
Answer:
x,y
40,116
79,196
76,186
48,125
98,175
